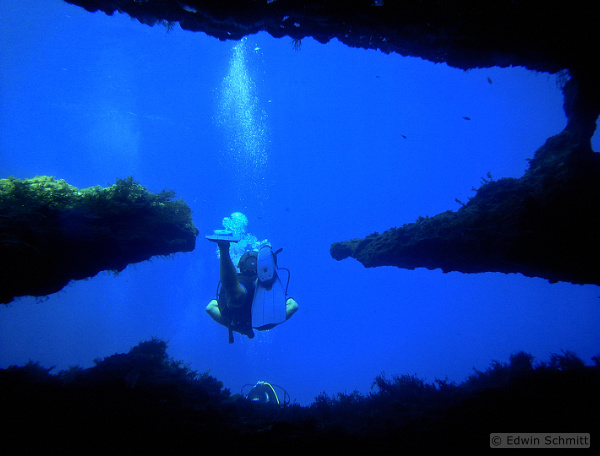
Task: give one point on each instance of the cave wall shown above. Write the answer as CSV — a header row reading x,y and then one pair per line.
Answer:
x,y
540,225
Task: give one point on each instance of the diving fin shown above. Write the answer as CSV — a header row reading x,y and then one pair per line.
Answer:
x,y
223,235
268,305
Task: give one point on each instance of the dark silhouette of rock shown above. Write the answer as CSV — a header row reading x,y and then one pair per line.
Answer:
x,y
52,233
540,225
543,224
144,401
461,33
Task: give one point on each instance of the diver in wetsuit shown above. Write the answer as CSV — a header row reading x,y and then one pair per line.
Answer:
x,y
242,298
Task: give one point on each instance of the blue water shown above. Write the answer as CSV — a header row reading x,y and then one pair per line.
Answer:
x,y
308,145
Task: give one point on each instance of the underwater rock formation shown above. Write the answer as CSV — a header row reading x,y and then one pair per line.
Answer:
x,y
144,401
461,33
540,225
52,233
543,224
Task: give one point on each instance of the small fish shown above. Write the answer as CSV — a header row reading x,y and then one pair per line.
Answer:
x,y
466,118
489,80
404,136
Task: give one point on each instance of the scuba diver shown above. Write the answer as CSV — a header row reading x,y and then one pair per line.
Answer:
x,y
264,393
253,299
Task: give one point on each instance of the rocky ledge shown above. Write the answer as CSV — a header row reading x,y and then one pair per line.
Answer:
x,y
52,232
543,224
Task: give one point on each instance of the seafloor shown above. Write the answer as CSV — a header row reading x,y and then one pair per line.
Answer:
x,y
146,401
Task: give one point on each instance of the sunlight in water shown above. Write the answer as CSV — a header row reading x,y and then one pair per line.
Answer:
x,y
242,121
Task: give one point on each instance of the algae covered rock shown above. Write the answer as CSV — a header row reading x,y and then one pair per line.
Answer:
x,y
52,232
543,224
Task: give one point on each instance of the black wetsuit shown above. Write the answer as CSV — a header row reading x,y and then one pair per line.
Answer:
x,y
239,318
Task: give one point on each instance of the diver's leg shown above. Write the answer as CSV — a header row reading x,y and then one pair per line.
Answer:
x,y
291,307
212,309
229,277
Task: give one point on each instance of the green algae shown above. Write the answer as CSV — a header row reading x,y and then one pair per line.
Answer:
x,y
52,232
